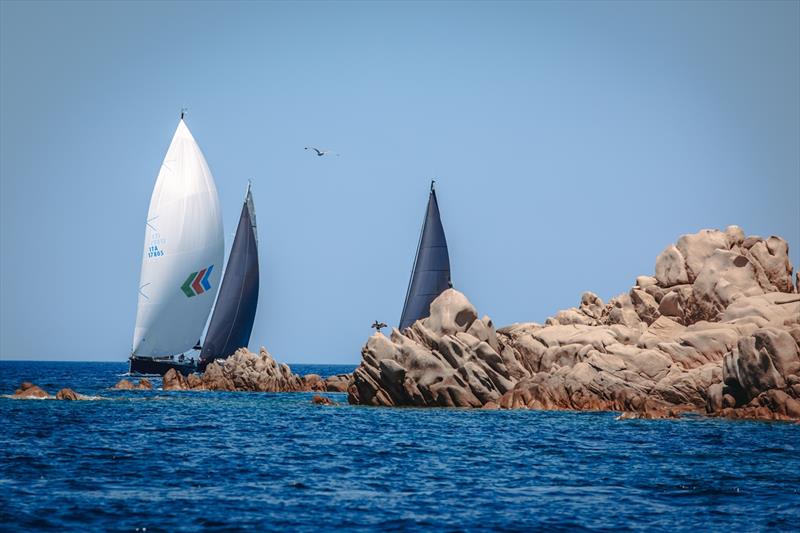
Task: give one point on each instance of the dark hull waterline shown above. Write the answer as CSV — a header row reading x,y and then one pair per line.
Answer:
x,y
159,367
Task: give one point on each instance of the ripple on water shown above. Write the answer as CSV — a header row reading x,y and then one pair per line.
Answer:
x,y
166,460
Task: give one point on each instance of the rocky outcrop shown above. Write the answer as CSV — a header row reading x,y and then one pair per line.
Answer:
x,y
714,330
124,384
246,371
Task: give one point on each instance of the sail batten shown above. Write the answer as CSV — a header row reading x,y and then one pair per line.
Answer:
x,y
183,252
431,273
234,313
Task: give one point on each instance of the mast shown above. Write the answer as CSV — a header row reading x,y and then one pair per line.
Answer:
x,y
431,273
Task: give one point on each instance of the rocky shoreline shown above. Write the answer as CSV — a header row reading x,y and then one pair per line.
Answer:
x,y
716,331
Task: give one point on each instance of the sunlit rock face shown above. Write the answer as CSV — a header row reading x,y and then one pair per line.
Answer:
x,y
246,371
716,329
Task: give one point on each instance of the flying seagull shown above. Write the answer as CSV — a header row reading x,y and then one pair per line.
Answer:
x,y
320,151
378,326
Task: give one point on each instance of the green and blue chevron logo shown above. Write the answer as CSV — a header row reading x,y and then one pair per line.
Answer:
x,y
197,282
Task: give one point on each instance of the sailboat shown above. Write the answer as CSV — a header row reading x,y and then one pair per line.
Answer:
x,y
182,260
431,273
235,310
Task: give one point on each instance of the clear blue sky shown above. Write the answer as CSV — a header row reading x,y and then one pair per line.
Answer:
x,y
571,142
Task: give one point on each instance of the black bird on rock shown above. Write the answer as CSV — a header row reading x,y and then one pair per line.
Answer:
x,y
378,326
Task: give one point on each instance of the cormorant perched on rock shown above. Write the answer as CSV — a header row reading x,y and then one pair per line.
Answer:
x,y
378,326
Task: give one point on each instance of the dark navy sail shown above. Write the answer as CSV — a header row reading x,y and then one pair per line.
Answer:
x,y
431,274
235,311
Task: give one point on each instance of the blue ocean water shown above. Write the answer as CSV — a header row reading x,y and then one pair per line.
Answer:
x,y
196,461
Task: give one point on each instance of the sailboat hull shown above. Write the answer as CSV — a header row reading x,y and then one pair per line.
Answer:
x,y
160,366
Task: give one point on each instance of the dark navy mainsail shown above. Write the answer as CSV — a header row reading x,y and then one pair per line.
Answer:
x,y
431,274
235,310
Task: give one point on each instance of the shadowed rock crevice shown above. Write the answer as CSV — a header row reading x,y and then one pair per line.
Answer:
x,y
712,331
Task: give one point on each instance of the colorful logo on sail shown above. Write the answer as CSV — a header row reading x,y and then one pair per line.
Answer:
x,y
197,282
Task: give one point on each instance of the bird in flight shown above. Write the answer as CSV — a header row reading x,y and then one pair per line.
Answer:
x,y
320,151
378,326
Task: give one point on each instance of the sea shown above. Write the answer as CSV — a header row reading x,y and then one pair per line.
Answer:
x,y
236,461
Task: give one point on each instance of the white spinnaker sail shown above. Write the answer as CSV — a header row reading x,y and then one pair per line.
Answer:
x,y
183,252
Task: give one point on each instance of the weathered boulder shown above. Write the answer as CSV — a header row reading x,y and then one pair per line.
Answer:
x,y
322,400
724,277
69,394
338,383
174,380
314,382
768,359
671,267
243,371
451,313
124,384
645,305
696,248
657,350
28,391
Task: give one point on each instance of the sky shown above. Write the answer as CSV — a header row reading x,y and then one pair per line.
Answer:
x,y
571,143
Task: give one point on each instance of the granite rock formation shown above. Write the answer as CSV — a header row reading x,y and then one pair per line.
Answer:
x,y
124,384
715,330
338,382
69,394
30,391
246,371
322,400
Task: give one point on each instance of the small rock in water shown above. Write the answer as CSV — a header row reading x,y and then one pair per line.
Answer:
x,y
67,394
29,390
123,384
322,400
174,380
